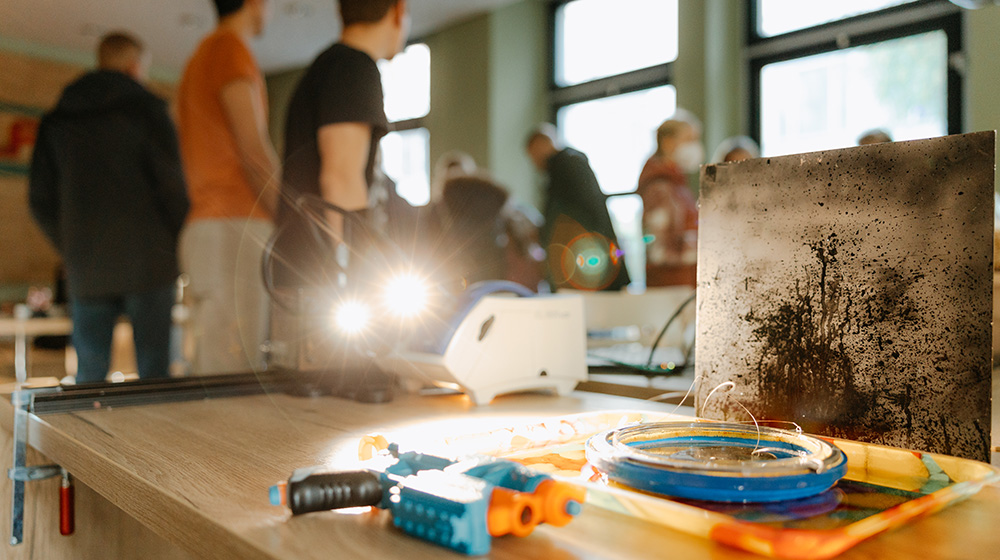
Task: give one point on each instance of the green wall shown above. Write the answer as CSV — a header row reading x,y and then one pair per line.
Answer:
x,y
982,42
460,93
519,77
709,73
489,81
725,75
689,68
280,87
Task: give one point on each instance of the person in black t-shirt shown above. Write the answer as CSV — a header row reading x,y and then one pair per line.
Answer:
x,y
335,121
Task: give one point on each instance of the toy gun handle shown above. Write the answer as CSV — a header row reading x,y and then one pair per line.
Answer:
x,y
306,492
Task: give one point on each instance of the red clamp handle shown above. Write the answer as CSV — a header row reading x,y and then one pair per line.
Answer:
x,y
66,515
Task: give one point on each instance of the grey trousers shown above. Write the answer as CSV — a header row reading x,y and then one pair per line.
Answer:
x,y
229,306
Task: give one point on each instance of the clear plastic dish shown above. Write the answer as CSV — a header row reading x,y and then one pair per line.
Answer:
x,y
717,461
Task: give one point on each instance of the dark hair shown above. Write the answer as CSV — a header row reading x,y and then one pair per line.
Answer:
x,y
874,136
475,195
226,7
364,11
117,49
542,130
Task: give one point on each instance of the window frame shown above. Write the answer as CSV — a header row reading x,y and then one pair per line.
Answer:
x,y
416,122
890,23
601,88
610,86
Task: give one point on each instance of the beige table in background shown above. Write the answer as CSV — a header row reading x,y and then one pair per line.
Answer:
x,y
23,330
191,481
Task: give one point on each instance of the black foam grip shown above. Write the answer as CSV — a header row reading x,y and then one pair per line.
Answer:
x,y
320,492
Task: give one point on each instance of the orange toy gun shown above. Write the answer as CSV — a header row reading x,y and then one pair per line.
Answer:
x,y
457,504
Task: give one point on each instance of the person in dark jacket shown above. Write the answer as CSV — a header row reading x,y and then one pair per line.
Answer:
x,y
583,251
107,188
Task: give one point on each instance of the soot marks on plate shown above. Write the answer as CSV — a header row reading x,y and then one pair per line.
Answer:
x,y
807,370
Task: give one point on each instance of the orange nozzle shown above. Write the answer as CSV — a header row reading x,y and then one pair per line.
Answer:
x,y
517,513
512,512
559,501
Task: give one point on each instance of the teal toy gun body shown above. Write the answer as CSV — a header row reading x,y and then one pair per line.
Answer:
x,y
457,504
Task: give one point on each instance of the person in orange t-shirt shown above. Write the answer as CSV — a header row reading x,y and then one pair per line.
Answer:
x,y
232,174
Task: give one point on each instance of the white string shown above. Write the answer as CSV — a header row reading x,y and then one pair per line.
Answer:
x,y
726,387
798,429
690,388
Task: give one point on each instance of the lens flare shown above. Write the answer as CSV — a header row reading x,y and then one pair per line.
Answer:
x,y
406,295
616,254
352,317
590,262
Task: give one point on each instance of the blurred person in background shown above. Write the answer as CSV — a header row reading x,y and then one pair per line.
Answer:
x,y
736,148
389,213
436,217
578,236
455,163
670,211
479,232
232,172
874,136
470,229
107,188
336,118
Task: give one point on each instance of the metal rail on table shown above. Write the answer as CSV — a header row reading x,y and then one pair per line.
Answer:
x,y
69,398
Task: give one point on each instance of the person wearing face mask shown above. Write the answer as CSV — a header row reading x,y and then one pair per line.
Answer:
x,y
670,211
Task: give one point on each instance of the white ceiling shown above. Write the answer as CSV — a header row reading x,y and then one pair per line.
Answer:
x,y
171,28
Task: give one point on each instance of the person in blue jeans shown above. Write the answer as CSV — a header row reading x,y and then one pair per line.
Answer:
x,y
107,188
93,326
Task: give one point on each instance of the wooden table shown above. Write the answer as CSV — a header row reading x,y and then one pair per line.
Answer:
x,y
195,476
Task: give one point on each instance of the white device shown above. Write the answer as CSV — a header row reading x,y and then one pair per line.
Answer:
x,y
505,344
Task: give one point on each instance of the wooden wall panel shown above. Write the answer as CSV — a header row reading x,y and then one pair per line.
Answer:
x,y
26,257
34,82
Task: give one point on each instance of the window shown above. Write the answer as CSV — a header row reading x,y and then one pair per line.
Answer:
x,y
775,17
820,81
406,149
405,157
610,91
617,133
406,83
597,38
816,102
